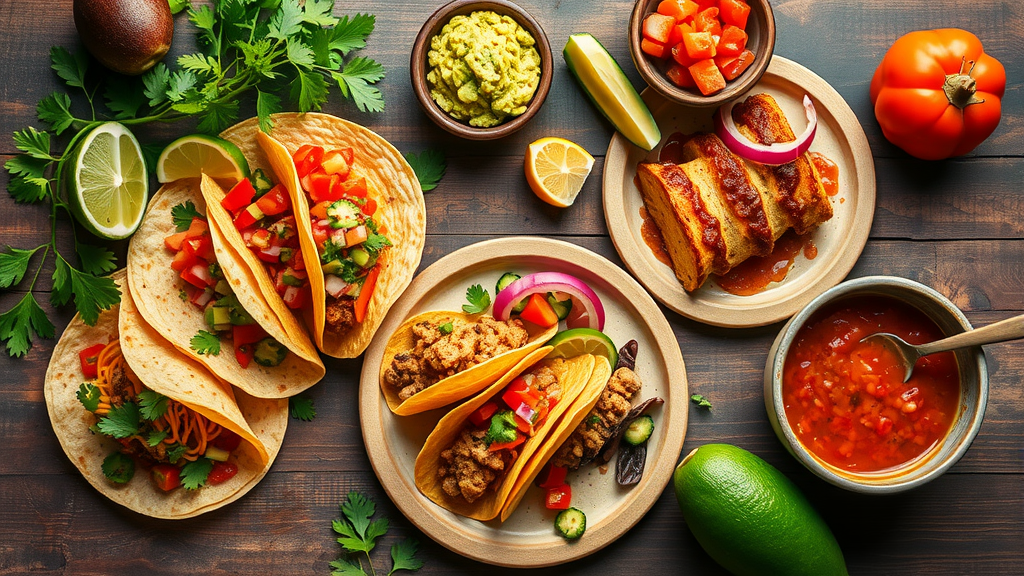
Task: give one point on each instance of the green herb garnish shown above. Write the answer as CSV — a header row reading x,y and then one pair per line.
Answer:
x,y
156,437
700,401
182,214
194,474
301,408
121,422
446,328
205,343
118,468
429,167
89,396
359,534
152,404
478,298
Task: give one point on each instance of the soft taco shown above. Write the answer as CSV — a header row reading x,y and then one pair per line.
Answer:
x,y
147,392
191,286
360,215
439,357
470,463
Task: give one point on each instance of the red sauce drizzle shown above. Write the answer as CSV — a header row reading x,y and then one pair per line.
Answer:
x,y
846,400
652,237
742,198
754,274
672,151
829,172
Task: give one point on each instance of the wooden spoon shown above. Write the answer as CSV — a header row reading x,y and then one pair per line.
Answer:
x,y
907,354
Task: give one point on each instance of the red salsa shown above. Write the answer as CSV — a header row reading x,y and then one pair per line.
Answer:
x,y
846,400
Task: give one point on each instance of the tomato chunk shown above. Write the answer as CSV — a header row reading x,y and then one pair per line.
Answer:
x,y
657,27
558,498
239,197
699,45
734,12
538,311
88,357
222,472
707,21
707,76
167,477
227,440
275,201
483,414
653,48
733,66
678,9
552,476
680,76
496,446
732,42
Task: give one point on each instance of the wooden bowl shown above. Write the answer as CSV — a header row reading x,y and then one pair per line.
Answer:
x,y
761,40
418,67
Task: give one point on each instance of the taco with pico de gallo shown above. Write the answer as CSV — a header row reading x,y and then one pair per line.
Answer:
x,y
360,219
150,428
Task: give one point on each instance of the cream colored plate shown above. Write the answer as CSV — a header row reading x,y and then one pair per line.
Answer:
x,y
528,537
839,241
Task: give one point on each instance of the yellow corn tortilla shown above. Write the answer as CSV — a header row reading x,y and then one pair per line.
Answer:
x,y
487,507
261,423
572,418
157,287
458,386
390,181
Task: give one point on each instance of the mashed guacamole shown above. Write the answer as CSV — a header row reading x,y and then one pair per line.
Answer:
x,y
483,68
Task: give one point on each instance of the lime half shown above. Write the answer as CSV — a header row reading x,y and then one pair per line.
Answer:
x,y
577,341
191,156
107,182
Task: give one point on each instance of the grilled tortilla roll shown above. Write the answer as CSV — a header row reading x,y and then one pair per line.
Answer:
x,y
716,210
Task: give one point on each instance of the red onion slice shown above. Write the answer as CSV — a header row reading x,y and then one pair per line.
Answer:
x,y
544,282
778,153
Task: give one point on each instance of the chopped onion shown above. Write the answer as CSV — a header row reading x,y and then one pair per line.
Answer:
x,y
543,282
526,413
778,153
334,286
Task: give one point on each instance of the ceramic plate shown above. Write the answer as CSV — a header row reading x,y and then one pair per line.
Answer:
x,y
528,537
839,241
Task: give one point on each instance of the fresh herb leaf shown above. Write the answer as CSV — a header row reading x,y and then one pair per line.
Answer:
x,y
478,298
123,97
152,404
350,34
286,21
70,67
118,468
310,90
16,323
89,396
13,266
343,567
155,82
429,167
594,420
205,343
204,19
55,110
446,328
403,556
301,408
122,421
34,143
176,452
358,510
374,243
299,53
355,80
318,12
217,117
28,189
156,437
266,104
179,5
194,474
96,260
182,214
92,293
700,401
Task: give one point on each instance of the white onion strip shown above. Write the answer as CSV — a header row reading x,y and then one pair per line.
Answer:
x,y
778,153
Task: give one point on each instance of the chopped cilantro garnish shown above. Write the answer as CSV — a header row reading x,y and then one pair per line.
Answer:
x,y
446,328
301,408
700,401
121,422
374,243
205,343
155,437
594,420
182,214
478,299
175,452
152,404
89,396
194,474
359,534
503,428
429,167
118,468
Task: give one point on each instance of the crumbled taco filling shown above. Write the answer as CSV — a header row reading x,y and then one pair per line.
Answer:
x,y
203,284
442,349
180,446
591,434
491,440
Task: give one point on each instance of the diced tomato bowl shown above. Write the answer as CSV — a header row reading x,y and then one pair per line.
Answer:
x,y
702,52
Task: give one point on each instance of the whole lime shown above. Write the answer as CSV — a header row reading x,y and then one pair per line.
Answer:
x,y
750,518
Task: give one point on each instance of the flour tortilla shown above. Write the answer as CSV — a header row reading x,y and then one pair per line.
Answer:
x,y
390,181
260,422
157,288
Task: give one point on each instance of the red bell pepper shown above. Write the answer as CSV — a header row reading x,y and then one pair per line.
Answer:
x,y
239,197
247,334
167,477
552,476
537,310
275,201
363,302
559,497
483,414
88,358
222,472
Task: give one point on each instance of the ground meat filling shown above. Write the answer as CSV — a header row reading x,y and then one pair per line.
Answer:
x,y
340,315
121,388
435,356
588,438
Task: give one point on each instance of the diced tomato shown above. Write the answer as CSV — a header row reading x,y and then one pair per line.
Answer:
x,y
552,476
734,12
307,158
198,275
320,185
260,238
355,236
680,56
271,254
247,334
707,21
297,262
657,27
732,66
348,154
173,242
88,358
369,207
496,446
246,218
275,201
363,302
239,197
201,247
243,354
222,472
705,4
523,426
519,392
183,260
335,163
198,227
653,48
167,477
558,498
538,311
200,297
294,297
699,45
227,440
732,42
707,76
483,414
680,76
321,233
678,9
355,188
319,210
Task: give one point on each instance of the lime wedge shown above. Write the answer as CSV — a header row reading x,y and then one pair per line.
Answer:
x,y
107,182
610,90
191,156
577,341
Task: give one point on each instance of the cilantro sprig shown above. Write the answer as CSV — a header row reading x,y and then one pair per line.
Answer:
x,y
479,299
429,166
301,408
273,50
700,401
359,534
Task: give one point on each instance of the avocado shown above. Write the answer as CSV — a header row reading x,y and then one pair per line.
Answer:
x,y
127,36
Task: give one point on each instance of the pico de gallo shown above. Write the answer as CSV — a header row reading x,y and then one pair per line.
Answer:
x,y
204,285
348,239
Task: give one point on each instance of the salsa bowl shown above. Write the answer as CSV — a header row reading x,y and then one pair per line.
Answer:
x,y
965,413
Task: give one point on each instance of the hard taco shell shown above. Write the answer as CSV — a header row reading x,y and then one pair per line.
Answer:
x,y
575,376
458,386
261,423
157,288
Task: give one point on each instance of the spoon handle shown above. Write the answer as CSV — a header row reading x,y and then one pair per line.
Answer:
x,y
1009,329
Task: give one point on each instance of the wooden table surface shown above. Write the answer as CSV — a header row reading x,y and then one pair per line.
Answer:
x,y
954,225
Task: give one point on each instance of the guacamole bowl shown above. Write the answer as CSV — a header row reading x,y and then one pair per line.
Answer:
x,y
459,93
